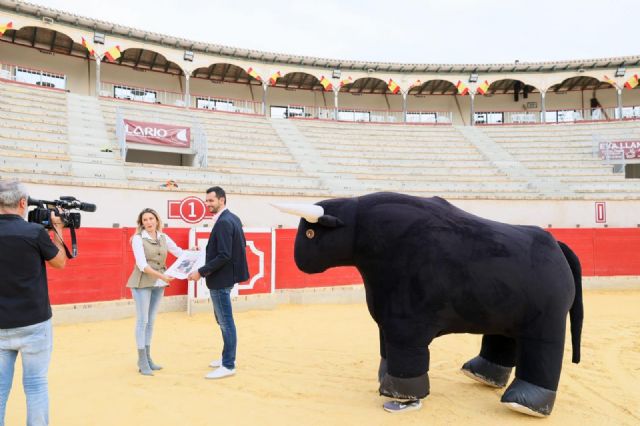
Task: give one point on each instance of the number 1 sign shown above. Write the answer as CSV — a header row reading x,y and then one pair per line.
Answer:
x,y
190,210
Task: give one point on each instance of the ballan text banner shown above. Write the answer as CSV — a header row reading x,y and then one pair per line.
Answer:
x,y
157,134
617,150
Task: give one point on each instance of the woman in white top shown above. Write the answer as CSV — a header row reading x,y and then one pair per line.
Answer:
x,y
148,280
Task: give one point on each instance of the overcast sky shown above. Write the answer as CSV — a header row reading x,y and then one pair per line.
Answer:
x,y
406,31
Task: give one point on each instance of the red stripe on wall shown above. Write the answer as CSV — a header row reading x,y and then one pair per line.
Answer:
x,y
105,261
290,277
604,251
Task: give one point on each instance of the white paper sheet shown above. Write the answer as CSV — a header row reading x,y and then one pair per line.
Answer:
x,y
188,262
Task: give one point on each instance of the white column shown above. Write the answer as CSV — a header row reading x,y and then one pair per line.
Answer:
x,y
97,75
187,94
335,103
404,107
543,107
619,103
264,98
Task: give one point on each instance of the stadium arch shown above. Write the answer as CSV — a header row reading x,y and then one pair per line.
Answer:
x,y
431,101
501,103
228,87
592,107
142,74
299,94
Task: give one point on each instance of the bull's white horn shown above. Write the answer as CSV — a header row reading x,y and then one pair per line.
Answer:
x,y
310,212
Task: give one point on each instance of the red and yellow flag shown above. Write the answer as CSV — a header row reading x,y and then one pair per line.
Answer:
x,y
274,77
632,82
5,27
326,83
113,53
346,81
253,74
610,81
393,86
462,88
89,46
483,87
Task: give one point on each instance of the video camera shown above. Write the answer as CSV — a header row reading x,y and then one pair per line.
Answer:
x,y
42,215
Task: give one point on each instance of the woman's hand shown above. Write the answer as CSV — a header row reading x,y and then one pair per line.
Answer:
x,y
166,278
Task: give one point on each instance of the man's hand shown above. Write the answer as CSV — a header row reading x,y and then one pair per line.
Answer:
x,y
194,276
56,222
60,260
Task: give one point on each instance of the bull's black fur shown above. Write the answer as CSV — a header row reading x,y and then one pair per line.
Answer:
x,y
431,269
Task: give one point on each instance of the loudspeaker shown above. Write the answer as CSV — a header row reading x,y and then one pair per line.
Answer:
x,y
517,86
594,103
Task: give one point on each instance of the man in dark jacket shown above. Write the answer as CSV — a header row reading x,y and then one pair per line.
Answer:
x,y
225,265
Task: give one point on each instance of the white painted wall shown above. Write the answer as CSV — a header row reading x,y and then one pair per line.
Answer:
x,y
122,206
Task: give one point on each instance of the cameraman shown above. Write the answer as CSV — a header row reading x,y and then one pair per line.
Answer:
x,y
25,312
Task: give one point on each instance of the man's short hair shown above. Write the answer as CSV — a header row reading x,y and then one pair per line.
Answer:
x,y
11,192
219,192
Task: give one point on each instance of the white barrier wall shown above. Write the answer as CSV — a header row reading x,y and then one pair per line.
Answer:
x,y
122,206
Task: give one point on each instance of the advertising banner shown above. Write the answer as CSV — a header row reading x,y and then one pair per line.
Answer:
x,y
157,134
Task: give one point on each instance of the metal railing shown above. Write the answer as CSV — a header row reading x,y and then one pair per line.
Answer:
x,y
429,117
140,94
215,103
577,115
366,115
305,111
629,113
26,75
120,134
551,116
369,115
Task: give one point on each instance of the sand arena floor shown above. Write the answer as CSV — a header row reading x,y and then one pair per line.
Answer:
x,y
317,365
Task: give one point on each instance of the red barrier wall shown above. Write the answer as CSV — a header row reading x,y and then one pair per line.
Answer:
x,y
104,263
604,251
288,276
105,260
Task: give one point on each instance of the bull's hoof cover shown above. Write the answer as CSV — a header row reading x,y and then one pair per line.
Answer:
x,y
405,388
528,398
402,406
486,372
382,370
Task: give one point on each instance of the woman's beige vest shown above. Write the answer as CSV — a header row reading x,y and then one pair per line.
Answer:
x,y
156,254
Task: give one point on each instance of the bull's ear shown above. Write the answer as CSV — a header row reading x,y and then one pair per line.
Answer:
x,y
330,221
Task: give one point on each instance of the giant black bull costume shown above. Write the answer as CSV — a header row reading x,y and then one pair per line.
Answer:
x,y
431,269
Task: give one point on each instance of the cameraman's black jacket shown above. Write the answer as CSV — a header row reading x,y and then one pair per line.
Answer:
x,y
24,296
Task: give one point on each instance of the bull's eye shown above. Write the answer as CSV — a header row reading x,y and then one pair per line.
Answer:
x,y
310,233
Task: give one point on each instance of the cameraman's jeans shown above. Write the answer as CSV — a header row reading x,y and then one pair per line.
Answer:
x,y
34,342
147,304
221,301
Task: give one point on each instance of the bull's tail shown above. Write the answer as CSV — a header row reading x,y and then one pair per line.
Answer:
x,y
576,313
